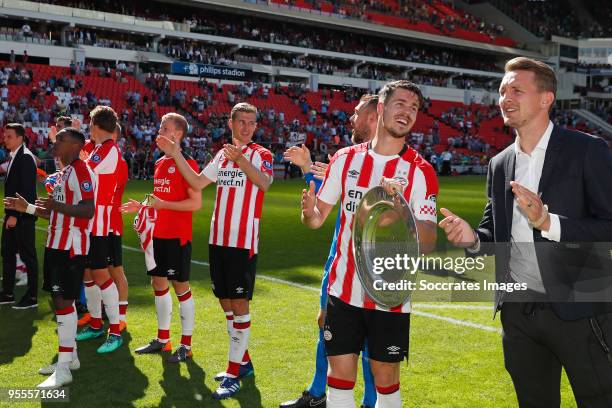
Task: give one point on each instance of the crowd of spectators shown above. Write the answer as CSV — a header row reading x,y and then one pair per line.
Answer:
x,y
414,11
546,18
258,29
604,112
325,128
567,118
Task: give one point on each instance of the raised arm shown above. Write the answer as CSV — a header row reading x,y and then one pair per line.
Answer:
x,y
197,181
314,211
257,176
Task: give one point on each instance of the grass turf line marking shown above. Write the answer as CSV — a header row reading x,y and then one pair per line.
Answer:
x,y
456,322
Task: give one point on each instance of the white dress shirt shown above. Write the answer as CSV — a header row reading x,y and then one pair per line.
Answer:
x,y
528,171
12,155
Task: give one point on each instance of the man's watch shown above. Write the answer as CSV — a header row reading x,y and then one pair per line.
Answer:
x,y
476,246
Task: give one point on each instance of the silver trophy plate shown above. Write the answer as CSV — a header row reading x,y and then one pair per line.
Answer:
x,y
385,228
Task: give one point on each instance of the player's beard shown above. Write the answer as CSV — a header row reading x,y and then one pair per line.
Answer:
x,y
359,136
395,133
387,122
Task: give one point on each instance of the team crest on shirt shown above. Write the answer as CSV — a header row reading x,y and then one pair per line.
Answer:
x,y
86,186
327,335
401,180
171,169
95,158
267,165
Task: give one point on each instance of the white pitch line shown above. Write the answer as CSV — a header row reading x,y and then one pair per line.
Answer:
x,y
451,306
456,322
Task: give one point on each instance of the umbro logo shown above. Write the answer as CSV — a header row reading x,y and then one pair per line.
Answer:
x,y
239,290
393,349
171,272
353,173
55,288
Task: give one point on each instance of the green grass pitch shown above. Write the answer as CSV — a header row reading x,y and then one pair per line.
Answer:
x,y
455,353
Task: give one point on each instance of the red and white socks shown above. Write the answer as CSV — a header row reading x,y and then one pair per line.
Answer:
x,y
163,310
123,305
187,311
239,340
110,298
388,397
229,318
66,333
340,393
94,304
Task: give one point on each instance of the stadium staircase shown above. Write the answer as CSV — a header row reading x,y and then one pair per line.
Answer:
x,y
594,120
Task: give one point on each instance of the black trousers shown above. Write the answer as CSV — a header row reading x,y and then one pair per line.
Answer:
x,y
19,239
537,344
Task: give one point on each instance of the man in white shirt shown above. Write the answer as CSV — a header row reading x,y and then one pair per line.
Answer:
x,y
554,249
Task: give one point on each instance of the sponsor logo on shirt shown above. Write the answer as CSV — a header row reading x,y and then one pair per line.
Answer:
x,y
353,198
171,169
230,178
353,173
161,185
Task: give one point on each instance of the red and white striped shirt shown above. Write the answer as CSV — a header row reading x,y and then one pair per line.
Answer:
x,y
89,146
75,183
104,161
116,221
235,221
352,172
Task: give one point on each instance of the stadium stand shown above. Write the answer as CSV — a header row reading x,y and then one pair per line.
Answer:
x,y
546,18
434,17
465,122
37,93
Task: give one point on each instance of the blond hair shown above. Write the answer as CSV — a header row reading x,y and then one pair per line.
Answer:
x,y
179,122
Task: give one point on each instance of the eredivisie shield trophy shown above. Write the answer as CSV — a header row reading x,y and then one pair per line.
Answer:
x,y
385,239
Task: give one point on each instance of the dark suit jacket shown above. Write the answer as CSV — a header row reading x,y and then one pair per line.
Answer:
x,y
576,184
21,179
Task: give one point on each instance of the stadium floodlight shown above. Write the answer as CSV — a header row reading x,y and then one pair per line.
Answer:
x,y
385,239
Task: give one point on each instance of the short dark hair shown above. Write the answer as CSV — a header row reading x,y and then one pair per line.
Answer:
x,y
66,120
369,100
104,117
389,89
17,127
73,133
243,107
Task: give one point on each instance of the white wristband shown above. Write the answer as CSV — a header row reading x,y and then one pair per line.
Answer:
x,y
31,209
